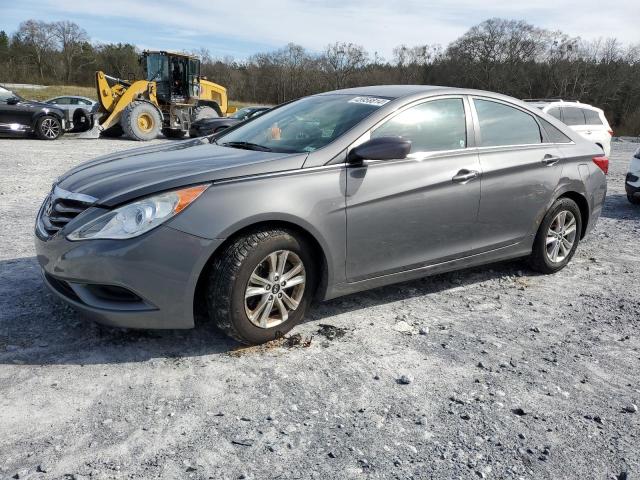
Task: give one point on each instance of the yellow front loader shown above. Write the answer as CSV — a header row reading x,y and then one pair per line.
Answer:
x,y
172,97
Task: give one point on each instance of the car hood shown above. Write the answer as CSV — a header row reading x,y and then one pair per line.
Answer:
x,y
123,176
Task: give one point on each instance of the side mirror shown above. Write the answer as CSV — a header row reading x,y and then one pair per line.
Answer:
x,y
12,100
381,148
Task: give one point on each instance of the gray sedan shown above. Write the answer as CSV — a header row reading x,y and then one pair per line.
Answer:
x,y
325,196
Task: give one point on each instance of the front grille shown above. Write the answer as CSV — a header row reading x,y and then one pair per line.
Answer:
x,y
60,208
631,178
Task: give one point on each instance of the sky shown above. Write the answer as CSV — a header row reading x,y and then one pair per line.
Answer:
x,y
240,28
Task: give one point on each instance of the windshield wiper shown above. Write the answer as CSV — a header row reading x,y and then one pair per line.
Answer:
x,y
247,146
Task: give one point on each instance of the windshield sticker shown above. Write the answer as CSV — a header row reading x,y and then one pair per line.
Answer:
x,y
373,101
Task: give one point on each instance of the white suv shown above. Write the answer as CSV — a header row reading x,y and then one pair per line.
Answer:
x,y
586,120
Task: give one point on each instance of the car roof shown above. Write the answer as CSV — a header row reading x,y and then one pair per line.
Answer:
x,y
390,91
73,96
562,103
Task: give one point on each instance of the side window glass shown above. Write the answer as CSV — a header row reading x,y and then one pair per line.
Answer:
x,y
555,112
592,117
504,125
573,116
431,126
554,134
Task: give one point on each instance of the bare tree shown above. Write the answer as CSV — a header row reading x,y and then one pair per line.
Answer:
x,y
341,60
37,38
73,42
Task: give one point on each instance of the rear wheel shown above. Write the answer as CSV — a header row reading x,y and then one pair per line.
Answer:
x,y
205,111
632,199
261,285
141,121
113,132
49,128
557,237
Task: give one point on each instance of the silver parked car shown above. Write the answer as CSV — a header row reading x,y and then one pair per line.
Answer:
x,y
325,196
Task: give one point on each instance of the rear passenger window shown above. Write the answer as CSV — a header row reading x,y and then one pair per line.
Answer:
x,y
573,116
431,126
555,112
592,117
554,134
504,125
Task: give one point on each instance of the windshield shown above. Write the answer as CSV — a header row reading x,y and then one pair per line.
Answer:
x,y
304,125
6,94
157,68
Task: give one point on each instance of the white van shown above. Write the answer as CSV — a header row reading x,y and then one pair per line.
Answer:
x,y
587,120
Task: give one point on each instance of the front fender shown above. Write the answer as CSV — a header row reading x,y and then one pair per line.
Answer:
x,y
312,201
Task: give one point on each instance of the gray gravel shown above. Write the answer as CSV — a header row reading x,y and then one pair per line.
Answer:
x,y
492,372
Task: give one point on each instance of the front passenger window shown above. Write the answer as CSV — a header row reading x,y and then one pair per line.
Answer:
x,y
432,126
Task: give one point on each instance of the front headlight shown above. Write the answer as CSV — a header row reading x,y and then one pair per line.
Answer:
x,y
138,217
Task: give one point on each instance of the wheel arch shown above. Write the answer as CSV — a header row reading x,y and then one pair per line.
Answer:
x,y
583,205
199,306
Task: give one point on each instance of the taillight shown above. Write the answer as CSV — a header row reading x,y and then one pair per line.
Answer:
x,y
610,132
602,163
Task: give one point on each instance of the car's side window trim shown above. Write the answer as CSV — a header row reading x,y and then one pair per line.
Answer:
x,y
478,132
418,156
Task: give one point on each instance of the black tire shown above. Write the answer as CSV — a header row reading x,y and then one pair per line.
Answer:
x,y
633,200
539,259
171,133
205,111
81,121
113,132
131,124
230,275
49,127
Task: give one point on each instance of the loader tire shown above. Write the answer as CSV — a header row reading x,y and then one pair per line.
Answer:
x,y
113,132
141,121
205,112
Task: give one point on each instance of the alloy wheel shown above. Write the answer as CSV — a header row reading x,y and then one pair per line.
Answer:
x,y
561,236
50,128
275,289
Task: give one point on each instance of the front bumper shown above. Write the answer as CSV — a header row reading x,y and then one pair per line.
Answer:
x,y
632,185
144,282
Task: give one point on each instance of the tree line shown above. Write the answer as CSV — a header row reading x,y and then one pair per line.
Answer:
x,y
508,56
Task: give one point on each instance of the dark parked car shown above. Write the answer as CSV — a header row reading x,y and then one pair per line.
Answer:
x,y
208,126
20,116
324,196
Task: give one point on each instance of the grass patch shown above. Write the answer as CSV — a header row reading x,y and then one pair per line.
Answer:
x,y
56,91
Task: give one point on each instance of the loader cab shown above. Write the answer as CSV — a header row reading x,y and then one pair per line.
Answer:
x,y
176,76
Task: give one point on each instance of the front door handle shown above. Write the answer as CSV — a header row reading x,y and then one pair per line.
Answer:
x,y
549,159
465,175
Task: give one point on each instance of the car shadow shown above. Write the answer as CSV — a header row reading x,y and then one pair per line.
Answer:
x,y
38,329
617,206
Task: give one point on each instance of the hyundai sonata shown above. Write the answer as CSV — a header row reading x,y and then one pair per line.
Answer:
x,y
324,196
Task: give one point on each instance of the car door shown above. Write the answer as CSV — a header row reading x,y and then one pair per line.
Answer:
x,y
595,129
407,213
13,116
520,172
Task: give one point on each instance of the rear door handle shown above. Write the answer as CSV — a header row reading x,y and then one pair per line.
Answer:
x,y
550,159
465,175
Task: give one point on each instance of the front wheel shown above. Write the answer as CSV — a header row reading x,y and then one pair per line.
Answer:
x,y
49,128
141,121
557,237
261,285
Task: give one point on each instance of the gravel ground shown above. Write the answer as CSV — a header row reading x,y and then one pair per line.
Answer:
x,y
492,372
